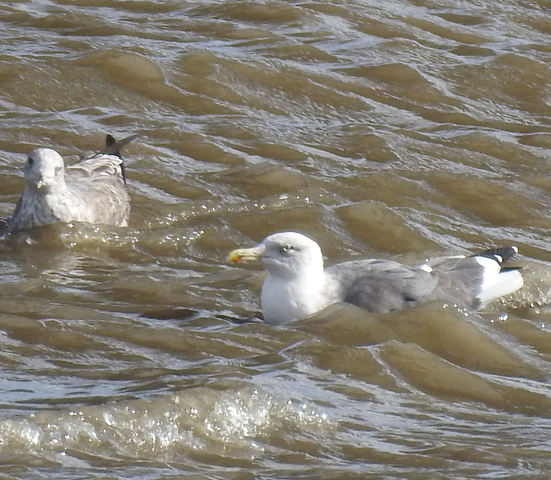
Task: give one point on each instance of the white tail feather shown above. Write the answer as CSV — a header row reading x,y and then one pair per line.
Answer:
x,y
496,283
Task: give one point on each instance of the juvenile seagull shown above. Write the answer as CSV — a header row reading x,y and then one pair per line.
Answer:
x,y
297,284
93,190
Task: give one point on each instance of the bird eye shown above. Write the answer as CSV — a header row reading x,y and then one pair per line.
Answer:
x,y
30,161
286,248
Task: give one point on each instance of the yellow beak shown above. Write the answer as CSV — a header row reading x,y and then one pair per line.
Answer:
x,y
246,254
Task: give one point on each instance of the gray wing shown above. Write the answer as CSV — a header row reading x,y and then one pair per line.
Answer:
x,y
99,202
99,185
381,285
461,279
98,166
100,181
384,286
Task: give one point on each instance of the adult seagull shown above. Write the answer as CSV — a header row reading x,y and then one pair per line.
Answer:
x,y
298,285
92,190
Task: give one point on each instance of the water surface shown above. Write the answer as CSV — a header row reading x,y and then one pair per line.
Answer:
x,y
400,130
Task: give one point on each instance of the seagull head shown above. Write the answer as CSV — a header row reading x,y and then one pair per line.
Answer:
x,y
286,254
44,169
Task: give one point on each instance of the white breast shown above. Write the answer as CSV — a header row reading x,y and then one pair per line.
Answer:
x,y
284,301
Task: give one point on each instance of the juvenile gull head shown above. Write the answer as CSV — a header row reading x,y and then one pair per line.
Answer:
x,y
297,284
92,190
44,170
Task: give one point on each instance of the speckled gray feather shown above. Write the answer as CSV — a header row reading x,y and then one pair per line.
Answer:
x,y
93,190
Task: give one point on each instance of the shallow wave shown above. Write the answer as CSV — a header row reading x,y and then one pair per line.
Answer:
x,y
235,424
396,130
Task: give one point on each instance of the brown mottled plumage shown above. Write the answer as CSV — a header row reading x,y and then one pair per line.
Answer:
x,y
93,190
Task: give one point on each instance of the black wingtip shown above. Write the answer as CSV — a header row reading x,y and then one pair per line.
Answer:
x,y
109,141
499,254
113,147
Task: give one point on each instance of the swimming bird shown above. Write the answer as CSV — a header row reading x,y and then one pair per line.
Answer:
x,y
92,190
298,285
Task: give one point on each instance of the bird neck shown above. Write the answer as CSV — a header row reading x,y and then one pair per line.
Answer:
x,y
284,300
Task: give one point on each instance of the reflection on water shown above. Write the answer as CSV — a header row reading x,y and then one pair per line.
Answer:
x,y
396,130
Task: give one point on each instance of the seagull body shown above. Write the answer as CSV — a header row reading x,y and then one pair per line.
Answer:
x,y
298,285
93,190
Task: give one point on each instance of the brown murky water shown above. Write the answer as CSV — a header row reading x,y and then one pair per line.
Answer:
x,y
392,129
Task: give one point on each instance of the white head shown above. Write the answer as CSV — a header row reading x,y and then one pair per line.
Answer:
x,y
294,287
286,254
44,169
